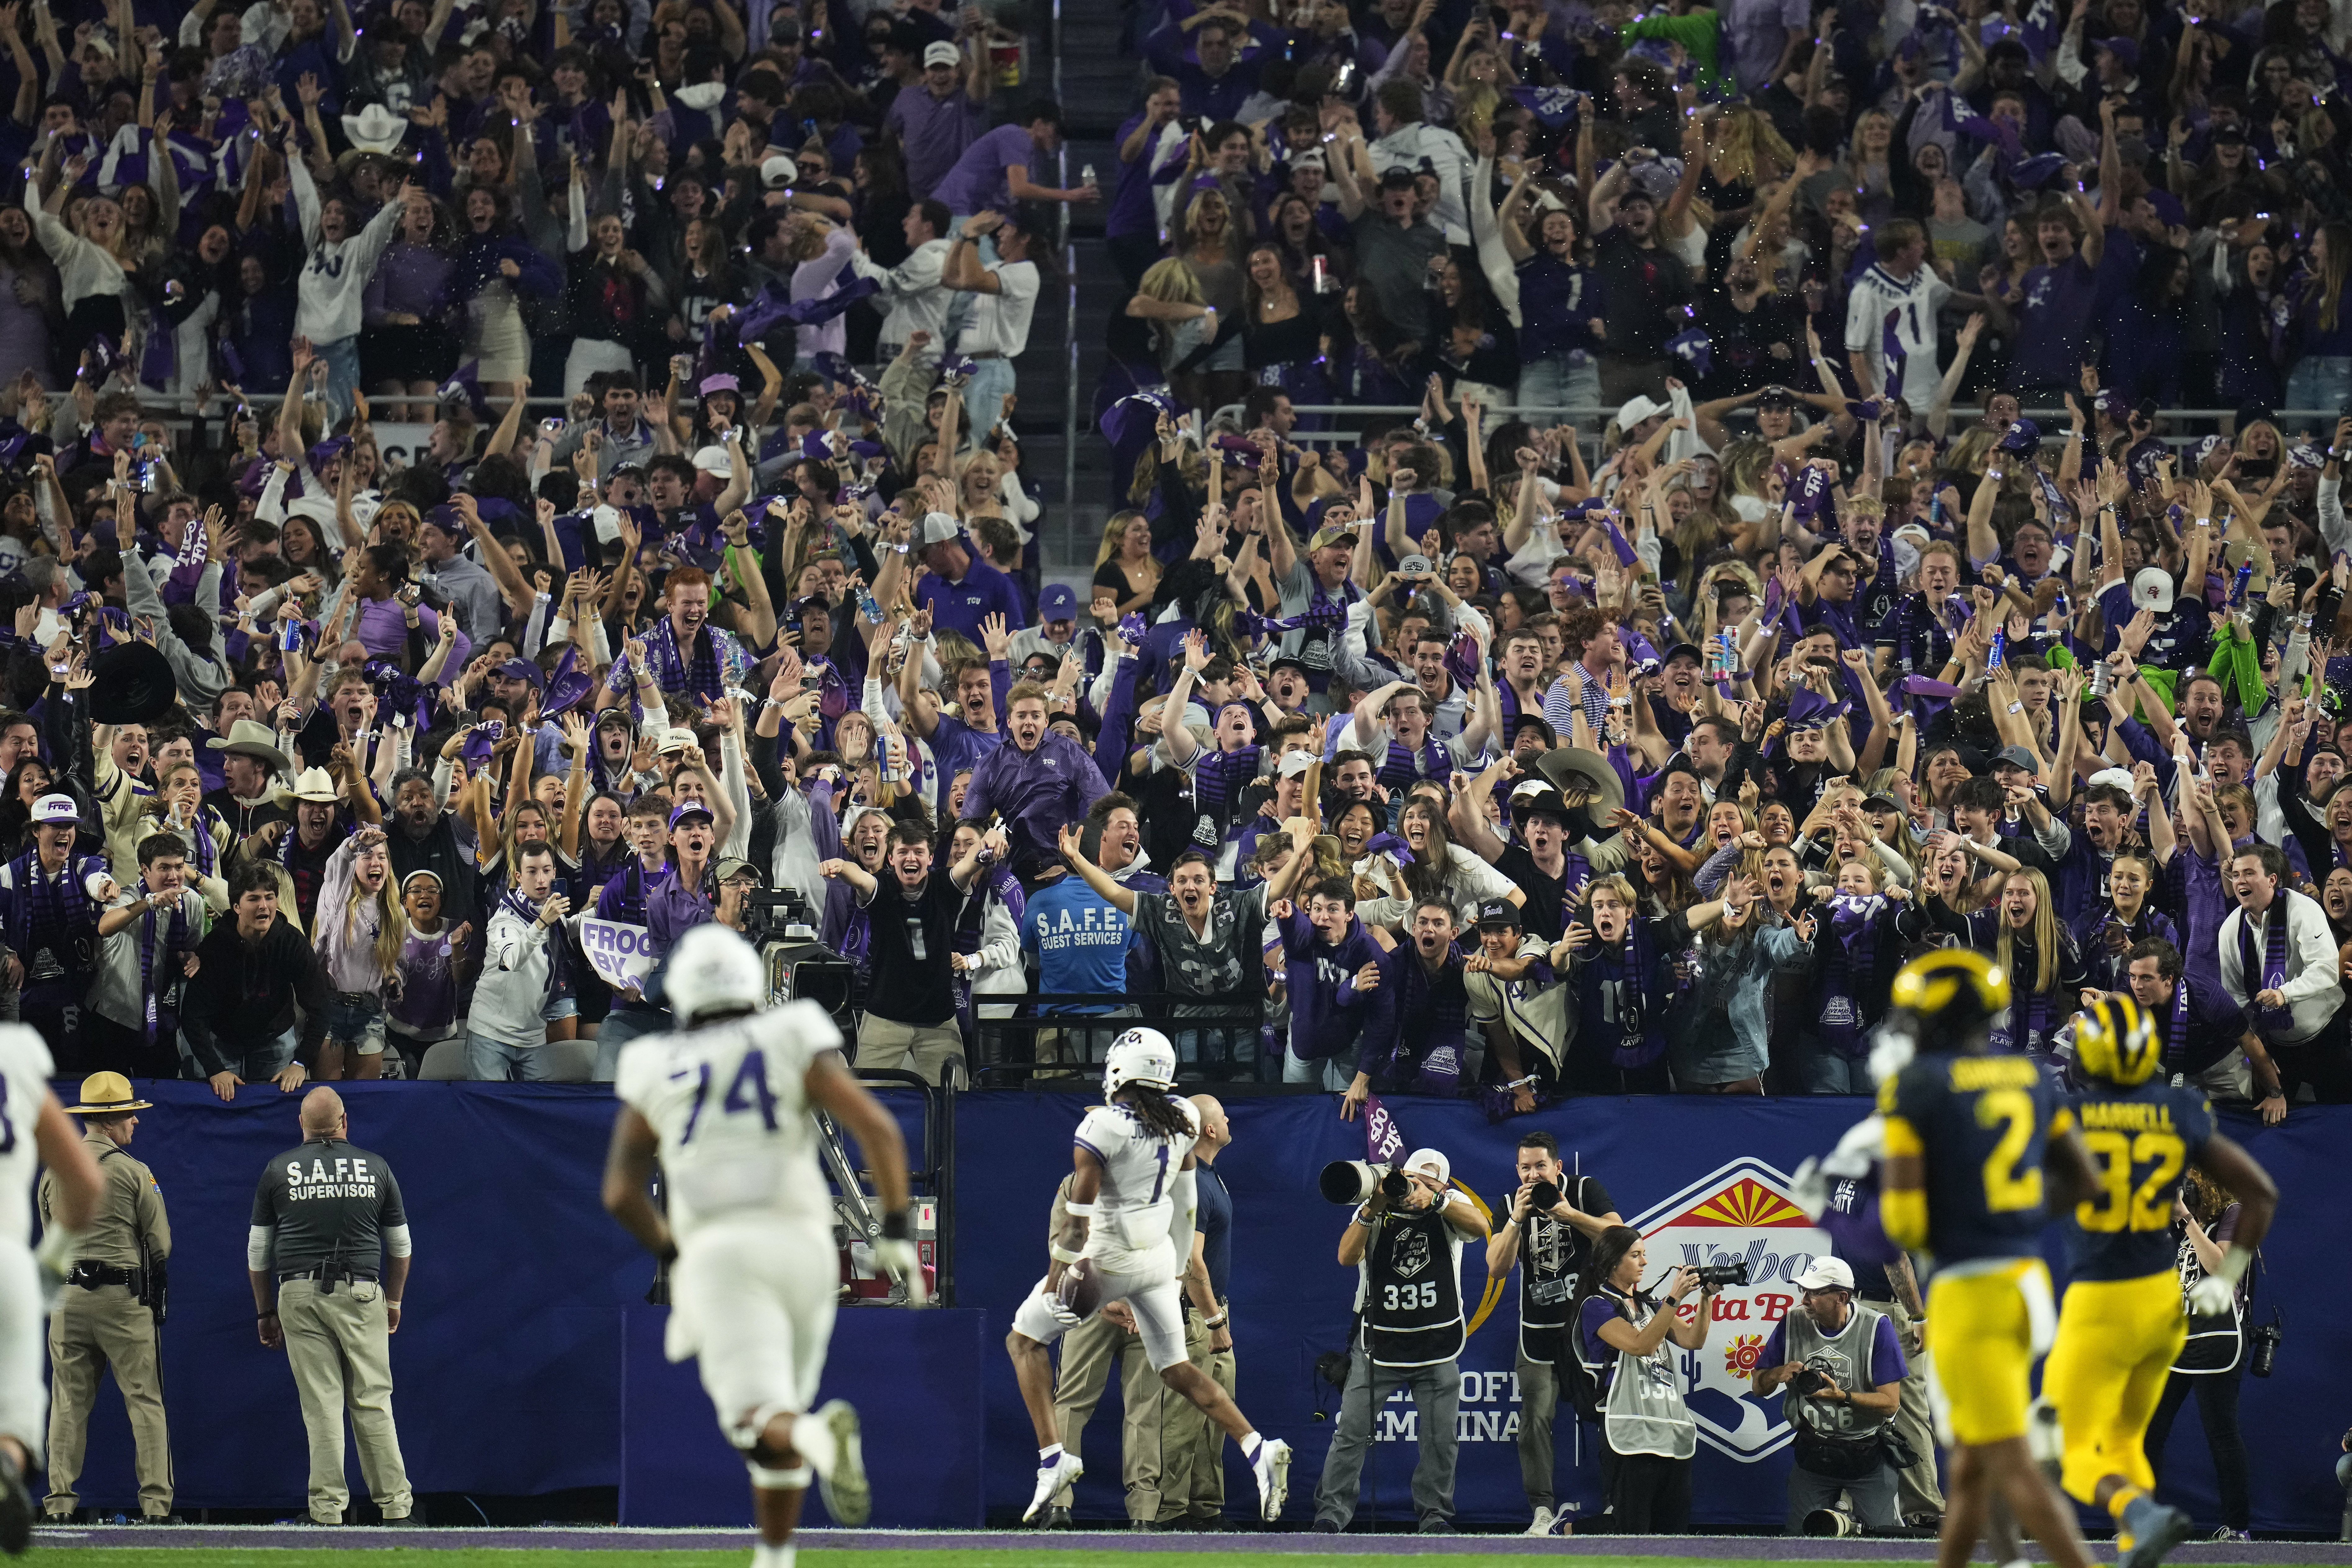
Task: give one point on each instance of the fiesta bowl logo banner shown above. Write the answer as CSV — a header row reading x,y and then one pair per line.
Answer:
x,y
1742,1211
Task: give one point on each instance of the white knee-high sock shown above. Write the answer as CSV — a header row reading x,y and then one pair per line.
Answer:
x,y
812,1440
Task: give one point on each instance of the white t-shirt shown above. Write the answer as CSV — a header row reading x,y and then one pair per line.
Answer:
x,y
730,1107
1915,302
1000,322
1133,1210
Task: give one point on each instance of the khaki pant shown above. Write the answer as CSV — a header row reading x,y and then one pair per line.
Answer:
x,y
339,1347
93,1330
1194,1485
1088,1352
1538,1409
1916,1492
919,1048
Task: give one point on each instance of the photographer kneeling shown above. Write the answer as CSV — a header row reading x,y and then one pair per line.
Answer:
x,y
1647,1432
1405,1239
1841,1364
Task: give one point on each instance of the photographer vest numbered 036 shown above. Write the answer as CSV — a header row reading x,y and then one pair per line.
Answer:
x,y
1412,1291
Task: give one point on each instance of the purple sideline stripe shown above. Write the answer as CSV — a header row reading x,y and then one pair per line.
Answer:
x,y
1732,1548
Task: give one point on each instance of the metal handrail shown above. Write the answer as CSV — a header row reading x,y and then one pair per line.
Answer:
x,y
938,1159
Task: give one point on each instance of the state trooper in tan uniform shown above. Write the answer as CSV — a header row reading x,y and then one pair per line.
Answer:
x,y
113,1306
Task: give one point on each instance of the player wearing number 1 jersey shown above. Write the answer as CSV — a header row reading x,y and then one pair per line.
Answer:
x,y
1130,1206
33,1132
725,1102
2122,1325
1978,1147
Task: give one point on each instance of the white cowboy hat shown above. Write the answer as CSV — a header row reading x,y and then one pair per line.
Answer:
x,y
375,129
315,785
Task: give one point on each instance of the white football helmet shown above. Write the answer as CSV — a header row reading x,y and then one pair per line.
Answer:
x,y
713,970
1139,1056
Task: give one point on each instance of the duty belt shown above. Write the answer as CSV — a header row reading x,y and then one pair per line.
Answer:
x,y
327,1274
91,1276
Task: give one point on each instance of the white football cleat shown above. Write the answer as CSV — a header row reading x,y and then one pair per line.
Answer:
x,y
1544,1521
848,1497
1272,1468
1063,1469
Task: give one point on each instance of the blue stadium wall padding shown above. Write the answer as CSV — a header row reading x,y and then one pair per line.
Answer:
x,y
509,1368
914,1376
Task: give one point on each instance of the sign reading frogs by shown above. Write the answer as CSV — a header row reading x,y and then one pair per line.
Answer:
x,y
1740,1213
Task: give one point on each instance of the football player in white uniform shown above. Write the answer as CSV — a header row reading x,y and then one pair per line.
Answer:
x,y
724,1102
1130,1208
27,1106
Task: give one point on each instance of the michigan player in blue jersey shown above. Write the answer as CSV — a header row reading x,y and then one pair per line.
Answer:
x,y
2122,1325
1979,1149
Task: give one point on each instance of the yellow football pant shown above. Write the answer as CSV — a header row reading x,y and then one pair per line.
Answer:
x,y
1986,1328
2116,1342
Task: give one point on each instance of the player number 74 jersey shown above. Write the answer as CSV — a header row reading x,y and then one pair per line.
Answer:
x,y
729,1105
1134,1209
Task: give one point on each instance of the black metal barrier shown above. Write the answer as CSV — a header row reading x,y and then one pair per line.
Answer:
x,y
1043,1043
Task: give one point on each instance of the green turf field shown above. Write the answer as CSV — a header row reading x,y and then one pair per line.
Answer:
x,y
1010,1557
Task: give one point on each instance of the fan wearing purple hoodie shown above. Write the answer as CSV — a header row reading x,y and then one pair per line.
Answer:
x,y
1324,946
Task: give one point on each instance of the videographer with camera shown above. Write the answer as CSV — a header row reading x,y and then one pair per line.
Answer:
x,y
1405,1241
1841,1364
1626,1380
1556,1235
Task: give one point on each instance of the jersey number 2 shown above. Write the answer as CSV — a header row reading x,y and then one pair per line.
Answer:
x,y
2008,1188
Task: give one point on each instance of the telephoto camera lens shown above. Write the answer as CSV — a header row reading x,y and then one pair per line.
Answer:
x,y
1544,1196
1394,1185
1716,1276
1831,1521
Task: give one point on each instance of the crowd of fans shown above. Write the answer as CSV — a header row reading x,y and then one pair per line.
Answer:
x,y
1474,765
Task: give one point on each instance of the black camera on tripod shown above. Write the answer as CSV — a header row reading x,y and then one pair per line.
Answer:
x,y
770,915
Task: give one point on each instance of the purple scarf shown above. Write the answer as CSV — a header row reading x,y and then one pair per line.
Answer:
x,y
1633,974
175,940
557,948
2270,975
1852,959
1405,767
53,926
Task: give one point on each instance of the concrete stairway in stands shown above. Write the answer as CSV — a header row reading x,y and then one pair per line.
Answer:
x,y
1099,71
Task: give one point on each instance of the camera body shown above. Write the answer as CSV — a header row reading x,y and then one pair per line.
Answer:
x,y
1810,1380
1544,1196
1353,1182
2263,1345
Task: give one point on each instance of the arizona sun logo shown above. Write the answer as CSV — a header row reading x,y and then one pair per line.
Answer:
x,y
1742,1212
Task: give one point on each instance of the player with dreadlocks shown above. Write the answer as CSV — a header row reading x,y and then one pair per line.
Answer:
x,y
1130,1208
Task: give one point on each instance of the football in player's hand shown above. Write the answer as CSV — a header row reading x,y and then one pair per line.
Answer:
x,y
1079,1292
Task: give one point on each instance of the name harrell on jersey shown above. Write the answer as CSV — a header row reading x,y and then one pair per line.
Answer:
x,y
1133,1211
730,1106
